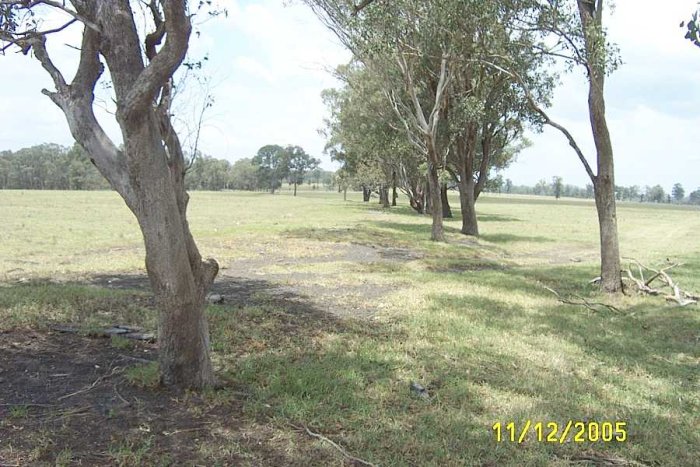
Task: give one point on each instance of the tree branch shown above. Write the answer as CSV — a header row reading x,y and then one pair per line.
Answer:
x,y
165,62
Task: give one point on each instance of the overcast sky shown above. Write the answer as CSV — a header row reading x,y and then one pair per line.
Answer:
x,y
269,64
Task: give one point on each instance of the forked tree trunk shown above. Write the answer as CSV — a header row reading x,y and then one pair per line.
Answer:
x,y
179,278
149,172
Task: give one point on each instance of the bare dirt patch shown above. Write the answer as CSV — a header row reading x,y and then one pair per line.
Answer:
x,y
64,400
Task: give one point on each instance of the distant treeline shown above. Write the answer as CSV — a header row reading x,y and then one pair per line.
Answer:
x,y
558,189
54,167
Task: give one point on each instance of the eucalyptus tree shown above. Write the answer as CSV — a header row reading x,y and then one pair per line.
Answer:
x,y
487,113
365,134
299,163
407,43
148,173
272,166
581,40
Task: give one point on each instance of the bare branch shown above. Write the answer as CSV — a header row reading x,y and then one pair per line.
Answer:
x,y
552,123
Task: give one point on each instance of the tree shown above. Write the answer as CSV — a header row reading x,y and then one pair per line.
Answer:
x,y
557,186
655,194
678,192
272,166
395,41
243,175
366,136
694,197
541,188
582,42
298,164
148,173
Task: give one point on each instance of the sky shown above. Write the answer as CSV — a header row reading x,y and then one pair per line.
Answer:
x,y
269,60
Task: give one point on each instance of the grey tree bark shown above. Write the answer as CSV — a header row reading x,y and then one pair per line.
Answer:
x,y
149,172
604,182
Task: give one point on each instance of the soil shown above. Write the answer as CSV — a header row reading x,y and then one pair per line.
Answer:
x,y
64,393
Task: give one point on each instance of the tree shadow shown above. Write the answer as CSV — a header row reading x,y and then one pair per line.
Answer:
x,y
512,238
497,218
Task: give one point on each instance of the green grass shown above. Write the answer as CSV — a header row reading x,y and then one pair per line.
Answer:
x,y
469,320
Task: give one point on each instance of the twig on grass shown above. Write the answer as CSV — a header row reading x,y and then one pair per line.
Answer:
x,y
120,396
347,455
114,371
187,430
583,302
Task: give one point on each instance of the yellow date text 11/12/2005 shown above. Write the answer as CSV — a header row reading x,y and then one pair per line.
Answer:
x,y
553,432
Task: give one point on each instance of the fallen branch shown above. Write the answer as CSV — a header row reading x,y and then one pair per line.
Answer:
x,y
334,444
583,302
644,287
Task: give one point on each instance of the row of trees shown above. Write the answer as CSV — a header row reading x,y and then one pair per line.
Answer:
x,y
442,68
49,167
441,91
558,189
55,167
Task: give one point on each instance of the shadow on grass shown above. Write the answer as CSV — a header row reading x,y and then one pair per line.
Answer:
x,y
512,238
571,364
497,218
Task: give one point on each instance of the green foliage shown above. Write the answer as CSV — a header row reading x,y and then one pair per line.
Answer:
x,y
678,192
693,31
299,163
243,175
49,167
694,197
655,194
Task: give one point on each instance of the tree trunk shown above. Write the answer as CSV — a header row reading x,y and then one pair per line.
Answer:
x,y
295,188
179,278
604,182
385,197
467,187
394,195
470,225
437,232
446,210
610,271
148,173
366,194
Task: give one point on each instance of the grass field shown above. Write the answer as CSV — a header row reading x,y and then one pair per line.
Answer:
x,y
332,310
